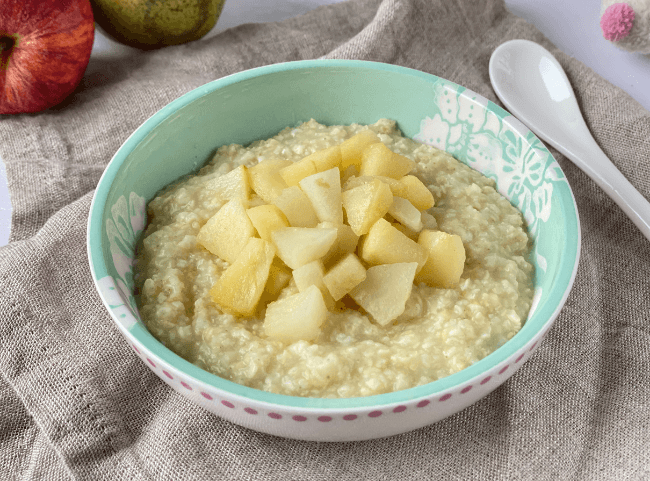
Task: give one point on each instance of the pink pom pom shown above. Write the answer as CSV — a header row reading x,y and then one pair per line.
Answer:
x,y
617,21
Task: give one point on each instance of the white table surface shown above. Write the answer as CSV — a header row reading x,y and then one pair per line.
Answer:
x,y
572,25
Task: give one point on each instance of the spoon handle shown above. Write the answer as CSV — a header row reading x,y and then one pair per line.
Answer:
x,y
595,163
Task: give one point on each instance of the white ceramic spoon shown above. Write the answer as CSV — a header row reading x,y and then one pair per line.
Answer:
x,y
533,86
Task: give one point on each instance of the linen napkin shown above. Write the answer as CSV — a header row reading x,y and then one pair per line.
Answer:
x,y
76,403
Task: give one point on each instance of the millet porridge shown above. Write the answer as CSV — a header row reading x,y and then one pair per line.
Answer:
x,y
440,332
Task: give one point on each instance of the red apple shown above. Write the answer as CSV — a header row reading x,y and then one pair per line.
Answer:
x,y
44,51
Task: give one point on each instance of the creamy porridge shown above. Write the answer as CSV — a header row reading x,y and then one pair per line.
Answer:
x,y
440,332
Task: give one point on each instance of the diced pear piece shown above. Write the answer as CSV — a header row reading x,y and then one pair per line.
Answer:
x,y
380,160
312,274
297,317
298,246
296,206
279,277
297,171
446,259
348,173
412,189
384,244
267,218
233,185
324,191
406,214
365,204
352,148
255,201
226,233
346,241
265,178
240,286
384,292
326,159
353,182
405,230
344,276
429,221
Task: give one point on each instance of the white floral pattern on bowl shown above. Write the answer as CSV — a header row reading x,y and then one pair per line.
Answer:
x,y
503,149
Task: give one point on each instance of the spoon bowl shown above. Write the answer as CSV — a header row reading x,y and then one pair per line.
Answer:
x,y
532,85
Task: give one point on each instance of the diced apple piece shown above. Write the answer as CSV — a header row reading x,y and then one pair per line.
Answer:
x,y
297,317
352,148
406,214
384,292
297,171
346,241
326,159
298,246
446,259
279,277
412,189
384,244
267,218
380,160
296,206
265,178
324,191
240,286
226,233
233,185
344,276
365,204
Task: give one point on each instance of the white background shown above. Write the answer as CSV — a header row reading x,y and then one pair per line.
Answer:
x,y
572,25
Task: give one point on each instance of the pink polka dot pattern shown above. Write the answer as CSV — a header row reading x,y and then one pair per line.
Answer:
x,y
348,417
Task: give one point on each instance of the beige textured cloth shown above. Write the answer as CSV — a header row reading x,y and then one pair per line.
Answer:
x,y
76,403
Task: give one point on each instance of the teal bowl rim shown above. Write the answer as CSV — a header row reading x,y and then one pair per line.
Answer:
x,y
533,329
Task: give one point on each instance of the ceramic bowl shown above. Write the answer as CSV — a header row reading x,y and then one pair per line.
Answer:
x,y
257,104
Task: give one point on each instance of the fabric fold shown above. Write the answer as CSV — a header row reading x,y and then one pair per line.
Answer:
x,y
76,403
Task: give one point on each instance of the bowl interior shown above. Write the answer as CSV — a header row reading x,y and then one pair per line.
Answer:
x,y
257,104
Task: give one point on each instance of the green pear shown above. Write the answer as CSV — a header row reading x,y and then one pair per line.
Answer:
x,y
149,24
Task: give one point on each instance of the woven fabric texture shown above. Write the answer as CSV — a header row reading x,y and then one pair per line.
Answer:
x,y
77,404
